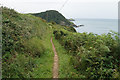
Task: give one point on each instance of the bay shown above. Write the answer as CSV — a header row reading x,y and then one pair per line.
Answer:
x,y
97,26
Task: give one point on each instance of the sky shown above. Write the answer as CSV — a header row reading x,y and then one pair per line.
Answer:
x,y
102,9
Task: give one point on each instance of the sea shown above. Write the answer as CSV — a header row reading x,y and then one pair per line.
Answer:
x,y
96,26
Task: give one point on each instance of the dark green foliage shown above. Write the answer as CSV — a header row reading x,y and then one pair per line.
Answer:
x,y
56,18
11,35
94,56
18,66
53,16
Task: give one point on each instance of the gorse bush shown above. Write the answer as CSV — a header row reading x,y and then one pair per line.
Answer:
x,y
95,56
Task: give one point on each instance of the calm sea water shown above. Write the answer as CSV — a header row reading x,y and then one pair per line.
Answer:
x,y
97,26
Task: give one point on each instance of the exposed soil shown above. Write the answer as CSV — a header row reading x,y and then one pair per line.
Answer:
x,y
55,64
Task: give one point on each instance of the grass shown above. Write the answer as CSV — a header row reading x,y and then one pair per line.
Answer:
x,y
66,70
31,53
37,36
45,62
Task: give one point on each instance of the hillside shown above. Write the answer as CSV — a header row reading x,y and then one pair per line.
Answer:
x,y
23,45
53,16
27,51
26,45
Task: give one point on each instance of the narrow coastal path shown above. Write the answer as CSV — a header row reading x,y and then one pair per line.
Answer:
x,y
55,64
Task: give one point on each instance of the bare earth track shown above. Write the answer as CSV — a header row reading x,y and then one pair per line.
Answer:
x,y
55,64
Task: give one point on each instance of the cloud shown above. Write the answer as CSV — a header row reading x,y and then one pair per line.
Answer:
x,y
73,8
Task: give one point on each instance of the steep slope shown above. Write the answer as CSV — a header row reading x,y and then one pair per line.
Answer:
x,y
26,46
27,50
53,16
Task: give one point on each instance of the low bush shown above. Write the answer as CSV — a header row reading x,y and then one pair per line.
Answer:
x,y
94,56
21,43
18,66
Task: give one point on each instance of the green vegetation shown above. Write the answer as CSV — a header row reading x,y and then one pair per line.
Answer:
x,y
93,56
26,42
45,62
66,70
53,16
27,50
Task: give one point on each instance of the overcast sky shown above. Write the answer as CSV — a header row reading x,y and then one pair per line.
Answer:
x,y
107,9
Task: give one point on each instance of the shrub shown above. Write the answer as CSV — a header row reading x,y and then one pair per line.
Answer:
x,y
94,56
18,67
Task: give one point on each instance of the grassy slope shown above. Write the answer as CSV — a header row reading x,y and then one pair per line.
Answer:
x,y
45,63
35,34
66,70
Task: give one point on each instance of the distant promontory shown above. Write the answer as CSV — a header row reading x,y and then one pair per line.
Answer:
x,y
55,16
